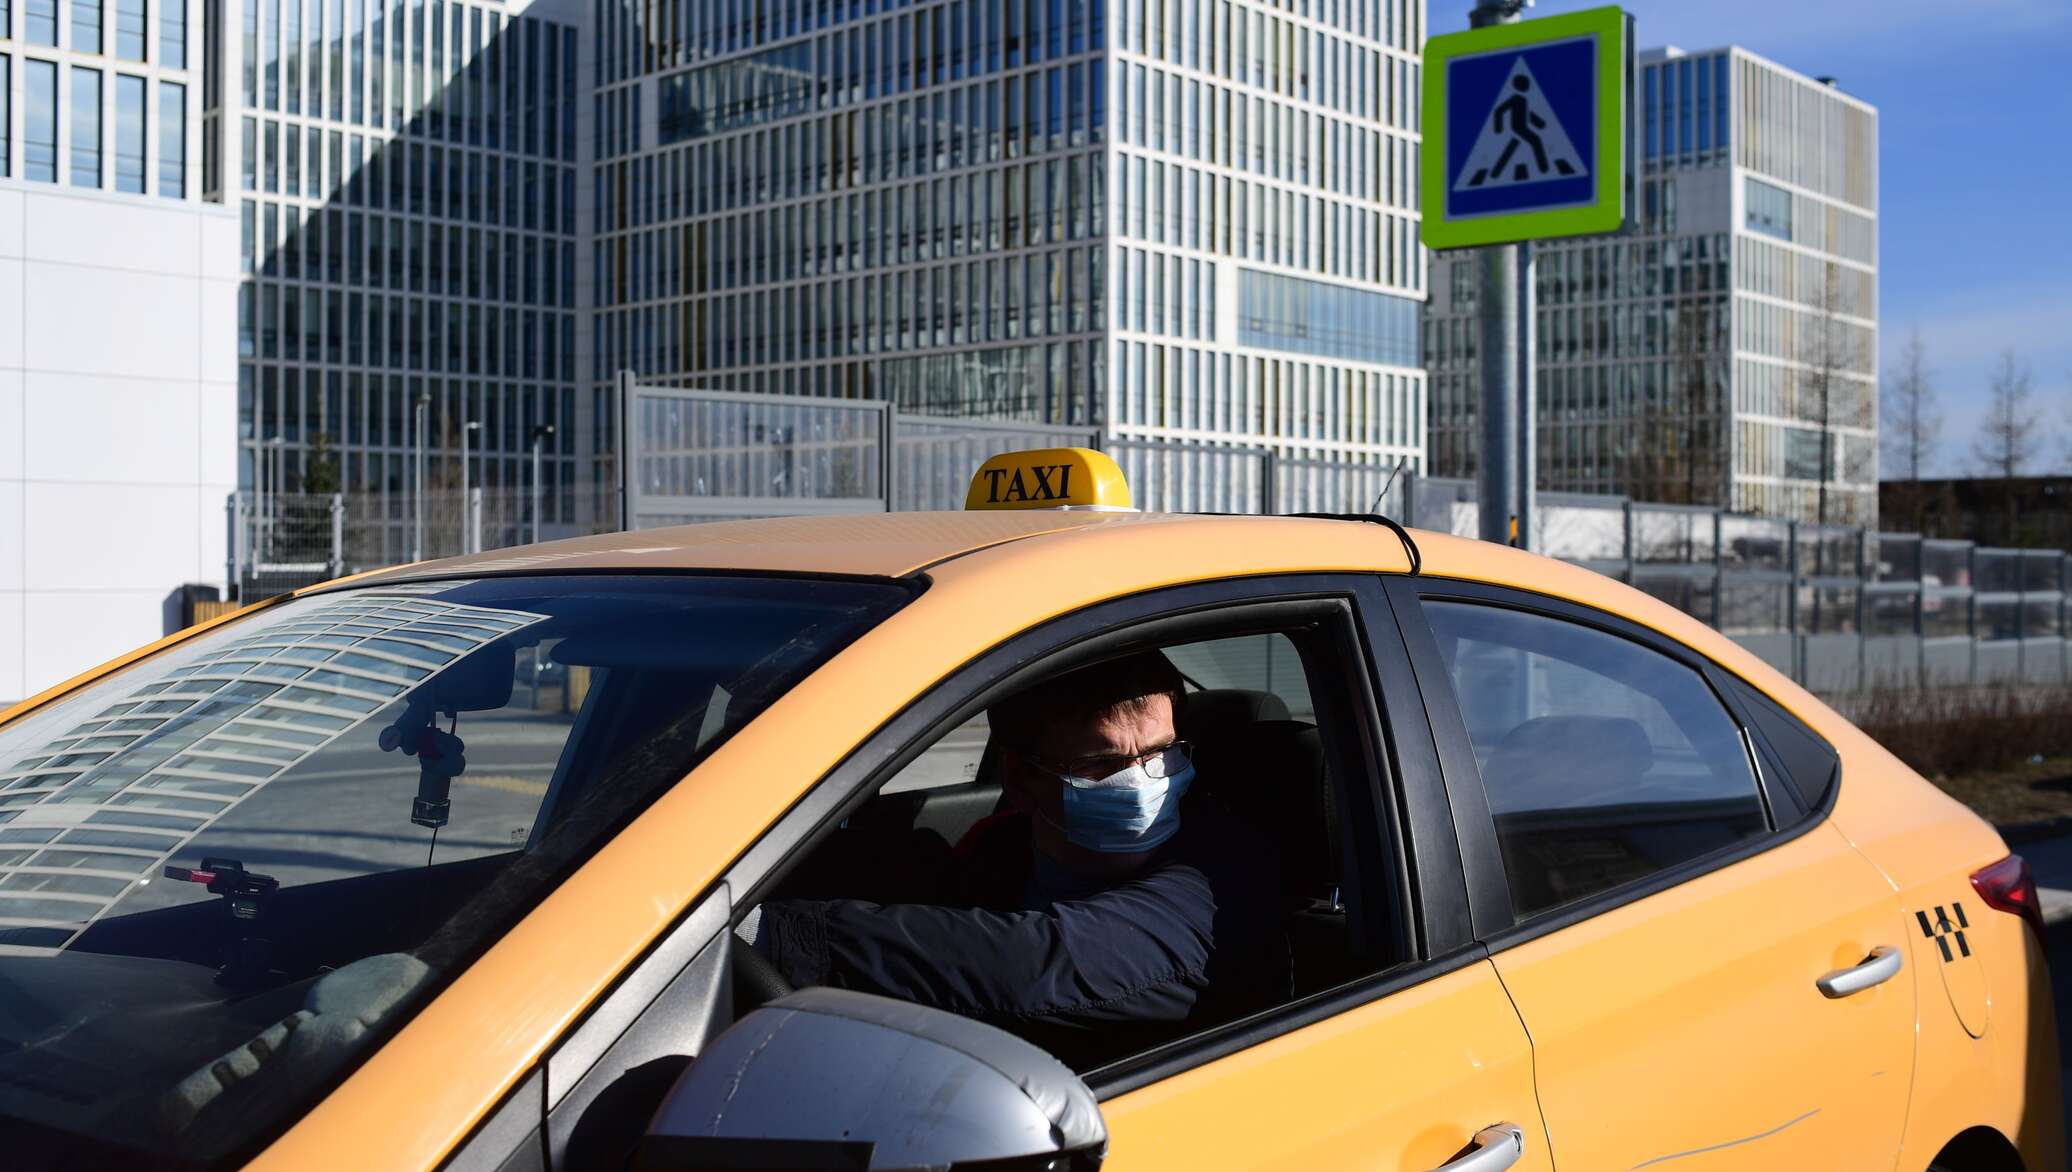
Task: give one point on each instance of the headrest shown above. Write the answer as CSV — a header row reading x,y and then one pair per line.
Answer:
x,y
1214,710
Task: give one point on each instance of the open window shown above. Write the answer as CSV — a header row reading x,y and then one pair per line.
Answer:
x,y
1284,742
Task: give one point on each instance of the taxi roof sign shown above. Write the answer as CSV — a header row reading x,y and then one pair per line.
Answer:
x,y
1049,478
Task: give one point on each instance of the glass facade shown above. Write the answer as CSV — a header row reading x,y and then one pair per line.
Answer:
x,y
93,85
1700,357
1033,210
407,205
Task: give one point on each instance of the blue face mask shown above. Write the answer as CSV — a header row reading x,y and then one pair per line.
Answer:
x,y
1126,811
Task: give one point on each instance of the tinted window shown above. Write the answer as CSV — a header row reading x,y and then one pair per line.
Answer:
x,y
229,870
1604,761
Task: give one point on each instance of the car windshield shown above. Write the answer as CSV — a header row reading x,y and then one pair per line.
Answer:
x,y
229,870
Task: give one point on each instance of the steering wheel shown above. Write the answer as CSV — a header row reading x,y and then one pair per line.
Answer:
x,y
756,980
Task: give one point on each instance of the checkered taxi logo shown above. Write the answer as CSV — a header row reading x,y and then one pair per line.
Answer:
x,y
1943,927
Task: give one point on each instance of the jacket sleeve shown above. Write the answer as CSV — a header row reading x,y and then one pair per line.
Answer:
x,y
1138,952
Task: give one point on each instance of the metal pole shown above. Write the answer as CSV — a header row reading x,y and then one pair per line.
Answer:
x,y
1501,362
622,450
470,538
1528,397
1500,442
424,402
540,432
234,508
337,559
474,520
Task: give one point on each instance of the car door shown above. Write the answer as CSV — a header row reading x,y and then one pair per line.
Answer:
x,y
1707,970
1406,1070
1416,1060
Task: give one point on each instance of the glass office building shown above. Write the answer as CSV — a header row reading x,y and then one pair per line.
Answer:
x,y
1700,357
407,177
107,93
1192,220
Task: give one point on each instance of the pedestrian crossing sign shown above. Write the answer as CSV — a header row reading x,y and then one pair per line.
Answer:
x,y
1526,130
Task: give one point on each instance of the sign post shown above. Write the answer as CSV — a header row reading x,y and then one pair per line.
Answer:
x,y
1525,138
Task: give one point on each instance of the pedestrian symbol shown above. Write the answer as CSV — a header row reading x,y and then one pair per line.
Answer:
x,y
1522,140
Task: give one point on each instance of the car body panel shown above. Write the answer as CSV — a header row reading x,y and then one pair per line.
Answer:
x,y
1395,1085
870,544
1704,994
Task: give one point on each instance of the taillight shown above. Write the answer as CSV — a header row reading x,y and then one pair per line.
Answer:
x,y
2009,886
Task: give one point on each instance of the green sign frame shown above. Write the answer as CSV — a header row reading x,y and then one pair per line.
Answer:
x,y
1610,169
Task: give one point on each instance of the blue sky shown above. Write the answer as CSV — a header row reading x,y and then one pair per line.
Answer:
x,y
1975,215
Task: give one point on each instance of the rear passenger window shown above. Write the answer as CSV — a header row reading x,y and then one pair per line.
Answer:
x,y
1604,761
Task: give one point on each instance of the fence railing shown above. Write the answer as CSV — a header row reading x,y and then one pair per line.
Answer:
x,y
1840,609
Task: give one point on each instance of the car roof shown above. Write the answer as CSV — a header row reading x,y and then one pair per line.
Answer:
x,y
867,544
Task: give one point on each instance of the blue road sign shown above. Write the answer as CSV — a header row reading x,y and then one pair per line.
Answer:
x,y
1521,129
1525,130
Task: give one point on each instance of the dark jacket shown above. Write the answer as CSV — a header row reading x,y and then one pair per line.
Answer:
x,y
1090,971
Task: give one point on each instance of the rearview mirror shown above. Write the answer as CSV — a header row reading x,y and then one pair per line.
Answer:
x,y
829,1078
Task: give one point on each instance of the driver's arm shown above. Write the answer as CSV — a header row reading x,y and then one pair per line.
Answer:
x,y
1137,952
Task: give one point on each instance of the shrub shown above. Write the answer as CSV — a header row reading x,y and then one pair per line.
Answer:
x,y
1953,731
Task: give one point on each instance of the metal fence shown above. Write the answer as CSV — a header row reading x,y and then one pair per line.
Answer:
x,y
1840,609
695,455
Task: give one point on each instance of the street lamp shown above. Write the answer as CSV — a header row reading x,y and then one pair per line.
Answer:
x,y
540,431
471,517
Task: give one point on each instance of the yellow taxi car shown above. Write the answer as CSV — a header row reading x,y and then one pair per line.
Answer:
x,y
451,865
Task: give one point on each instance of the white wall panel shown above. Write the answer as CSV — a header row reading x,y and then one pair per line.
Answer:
x,y
11,204
108,536
216,319
11,556
66,633
12,317
117,430
118,418
14,439
102,321
114,233
13,679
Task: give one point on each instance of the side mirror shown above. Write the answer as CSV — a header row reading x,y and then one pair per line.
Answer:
x,y
834,1079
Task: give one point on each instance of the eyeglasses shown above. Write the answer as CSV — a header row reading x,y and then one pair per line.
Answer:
x,y
1166,759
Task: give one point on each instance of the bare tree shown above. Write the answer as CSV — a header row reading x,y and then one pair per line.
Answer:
x,y
1828,350
2006,441
1672,450
1911,427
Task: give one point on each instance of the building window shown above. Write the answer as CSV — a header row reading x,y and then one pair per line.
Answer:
x,y
129,134
86,26
172,34
40,125
129,29
1311,317
1768,209
86,127
40,27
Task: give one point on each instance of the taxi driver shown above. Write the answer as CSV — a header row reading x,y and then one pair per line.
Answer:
x,y
1097,912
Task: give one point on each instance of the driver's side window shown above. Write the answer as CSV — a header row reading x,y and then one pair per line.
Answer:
x,y
948,884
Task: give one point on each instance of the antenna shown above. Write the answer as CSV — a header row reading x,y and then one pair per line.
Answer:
x,y
1388,484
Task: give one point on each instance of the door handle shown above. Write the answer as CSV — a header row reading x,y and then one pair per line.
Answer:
x,y
1882,966
1497,1147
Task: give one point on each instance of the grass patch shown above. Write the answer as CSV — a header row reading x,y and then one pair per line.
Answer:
x,y
2005,752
